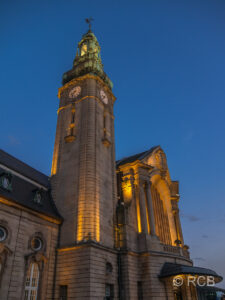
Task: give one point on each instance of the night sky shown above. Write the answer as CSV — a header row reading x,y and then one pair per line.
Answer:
x,y
167,62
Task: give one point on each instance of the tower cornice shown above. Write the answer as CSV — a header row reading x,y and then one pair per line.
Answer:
x,y
82,78
82,99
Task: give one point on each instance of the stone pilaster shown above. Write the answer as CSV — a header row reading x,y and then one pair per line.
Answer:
x,y
143,210
150,210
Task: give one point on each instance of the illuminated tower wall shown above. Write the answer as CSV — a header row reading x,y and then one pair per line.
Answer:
x,y
83,162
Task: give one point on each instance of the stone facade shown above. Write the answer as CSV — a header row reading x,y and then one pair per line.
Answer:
x,y
83,270
21,227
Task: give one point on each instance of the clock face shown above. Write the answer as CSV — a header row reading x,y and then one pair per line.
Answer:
x,y
75,92
104,97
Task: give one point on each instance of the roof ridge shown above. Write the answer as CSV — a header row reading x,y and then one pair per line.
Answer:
x,y
135,156
21,167
24,163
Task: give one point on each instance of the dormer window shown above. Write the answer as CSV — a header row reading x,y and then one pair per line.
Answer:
x,y
38,197
83,49
6,181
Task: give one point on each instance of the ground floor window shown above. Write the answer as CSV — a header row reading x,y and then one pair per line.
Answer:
x,y
31,284
139,290
63,292
178,294
109,291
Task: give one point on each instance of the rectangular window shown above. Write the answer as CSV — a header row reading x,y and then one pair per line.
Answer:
x,y
63,292
109,291
139,290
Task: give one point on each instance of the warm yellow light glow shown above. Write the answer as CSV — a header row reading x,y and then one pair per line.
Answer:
x,y
62,107
97,221
80,234
147,215
18,206
71,248
138,215
55,160
83,50
127,190
163,189
69,138
88,225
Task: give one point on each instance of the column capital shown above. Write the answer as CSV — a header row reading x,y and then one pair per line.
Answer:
x,y
150,209
148,183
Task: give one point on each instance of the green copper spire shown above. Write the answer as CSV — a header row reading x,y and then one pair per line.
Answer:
x,y
87,60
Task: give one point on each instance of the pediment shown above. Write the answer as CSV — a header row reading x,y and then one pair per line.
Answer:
x,y
156,159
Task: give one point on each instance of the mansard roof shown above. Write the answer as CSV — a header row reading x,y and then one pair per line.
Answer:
x,y
25,182
18,166
135,157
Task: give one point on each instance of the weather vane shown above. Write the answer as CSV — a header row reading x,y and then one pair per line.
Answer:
x,y
89,20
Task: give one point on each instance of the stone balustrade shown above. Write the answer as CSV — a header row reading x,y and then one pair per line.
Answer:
x,y
176,250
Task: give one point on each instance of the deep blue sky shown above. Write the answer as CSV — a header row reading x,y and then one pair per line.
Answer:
x,y
167,62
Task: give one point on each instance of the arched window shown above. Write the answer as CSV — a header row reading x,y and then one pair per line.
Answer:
x,y
0,267
161,217
31,284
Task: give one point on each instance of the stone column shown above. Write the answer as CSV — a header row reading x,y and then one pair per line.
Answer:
x,y
143,211
179,229
175,210
168,205
150,209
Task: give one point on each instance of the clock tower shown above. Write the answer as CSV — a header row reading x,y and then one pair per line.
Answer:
x,y
83,173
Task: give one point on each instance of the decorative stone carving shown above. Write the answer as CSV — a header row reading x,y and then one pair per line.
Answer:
x,y
4,252
38,257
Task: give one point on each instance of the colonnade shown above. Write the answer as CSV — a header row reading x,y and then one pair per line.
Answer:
x,y
147,219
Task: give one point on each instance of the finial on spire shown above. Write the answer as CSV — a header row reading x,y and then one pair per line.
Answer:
x,y
89,20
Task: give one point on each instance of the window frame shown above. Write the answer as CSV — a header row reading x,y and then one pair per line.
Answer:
x,y
5,231
63,292
111,290
140,290
30,287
